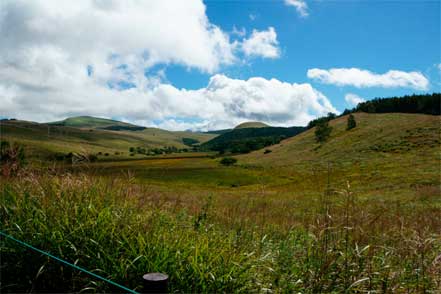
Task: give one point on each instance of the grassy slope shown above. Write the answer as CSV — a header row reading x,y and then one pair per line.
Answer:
x,y
376,135
384,153
263,224
251,124
89,122
68,139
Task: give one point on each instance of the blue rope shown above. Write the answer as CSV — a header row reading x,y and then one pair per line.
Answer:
x,y
68,263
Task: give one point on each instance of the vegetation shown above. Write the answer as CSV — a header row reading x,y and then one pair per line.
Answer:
x,y
426,103
357,214
351,122
12,158
245,140
190,141
251,124
228,161
322,131
92,122
313,123
43,141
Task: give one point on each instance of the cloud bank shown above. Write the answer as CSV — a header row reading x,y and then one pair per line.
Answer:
x,y
65,58
223,103
363,78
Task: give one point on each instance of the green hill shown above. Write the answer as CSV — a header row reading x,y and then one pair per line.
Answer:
x,y
251,124
384,154
44,140
376,136
243,140
91,122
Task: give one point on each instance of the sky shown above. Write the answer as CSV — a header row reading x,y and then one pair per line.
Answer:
x,y
205,65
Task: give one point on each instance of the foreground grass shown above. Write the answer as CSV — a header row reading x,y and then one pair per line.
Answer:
x,y
213,240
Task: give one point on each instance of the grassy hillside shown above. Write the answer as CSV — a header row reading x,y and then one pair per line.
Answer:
x,y
89,122
243,140
42,140
377,136
251,124
359,213
385,155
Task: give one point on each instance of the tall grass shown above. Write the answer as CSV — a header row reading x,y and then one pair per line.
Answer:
x,y
121,229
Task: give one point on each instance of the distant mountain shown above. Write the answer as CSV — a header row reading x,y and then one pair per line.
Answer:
x,y
91,122
251,124
244,140
218,132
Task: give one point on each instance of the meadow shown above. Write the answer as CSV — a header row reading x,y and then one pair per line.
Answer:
x,y
352,216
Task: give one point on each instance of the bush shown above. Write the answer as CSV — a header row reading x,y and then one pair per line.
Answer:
x,y
351,122
92,157
322,131
12,158
227,161
267,151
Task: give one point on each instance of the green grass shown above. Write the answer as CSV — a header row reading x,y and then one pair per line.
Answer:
x,y
89,122
359,214
251,124
43,140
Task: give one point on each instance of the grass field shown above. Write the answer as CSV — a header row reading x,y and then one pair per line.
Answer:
x,y
360,213
42,140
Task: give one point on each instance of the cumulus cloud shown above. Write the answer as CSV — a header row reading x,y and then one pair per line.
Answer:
x,y
66,58
262,43
363,78
223,103
300,6
353,99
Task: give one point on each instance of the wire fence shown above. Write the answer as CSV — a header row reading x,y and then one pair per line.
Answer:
x,y
67,263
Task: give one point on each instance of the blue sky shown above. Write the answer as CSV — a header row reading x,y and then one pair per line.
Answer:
x,y
204,65
373,35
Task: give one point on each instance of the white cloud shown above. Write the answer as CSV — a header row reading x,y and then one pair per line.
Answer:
x,y
363,78
58,58
300,5
224,103
262,43
353,99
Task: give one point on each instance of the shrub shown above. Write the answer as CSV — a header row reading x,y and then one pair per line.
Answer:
x,y
322,131
92,157
227,161
12,158
351,122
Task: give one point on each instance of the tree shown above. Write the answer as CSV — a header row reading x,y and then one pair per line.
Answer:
x,y
351,122
322,131
228,161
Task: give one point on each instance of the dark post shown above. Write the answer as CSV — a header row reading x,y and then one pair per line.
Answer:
x,y
155,283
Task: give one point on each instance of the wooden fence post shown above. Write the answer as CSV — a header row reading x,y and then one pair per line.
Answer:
x,y
155,283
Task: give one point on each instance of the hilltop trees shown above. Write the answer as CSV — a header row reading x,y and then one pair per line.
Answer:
x,y
426,103
351,122
322,131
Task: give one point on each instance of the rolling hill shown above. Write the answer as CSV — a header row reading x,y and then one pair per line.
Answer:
x,y
251,124
91,122
376,135
42,140
243,140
